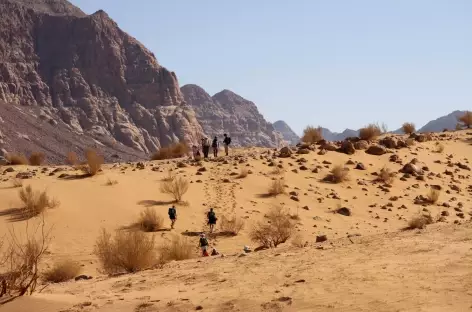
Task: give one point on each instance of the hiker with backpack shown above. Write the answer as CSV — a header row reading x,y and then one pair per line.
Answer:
x,y
203,244
211,219
227,142
205,147
172,216
214,145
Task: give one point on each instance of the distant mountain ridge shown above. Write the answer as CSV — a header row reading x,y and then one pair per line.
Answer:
x,y
448,122
287,133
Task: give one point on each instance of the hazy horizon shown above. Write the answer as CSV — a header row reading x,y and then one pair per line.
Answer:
x,y
337,64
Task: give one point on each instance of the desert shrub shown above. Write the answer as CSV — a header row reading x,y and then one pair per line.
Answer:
x,y
277,171
276,187
17,182
243,173
409,128
386,176
419,221
383,127
35,202
17,159
176,187
433,195
466,119
276,231
175,150
62,271
179,248
111,182
72,159
298,241
127,251
36,159
170,176
231,225
370,132
439,148
150,221
312,135
337,175
94,162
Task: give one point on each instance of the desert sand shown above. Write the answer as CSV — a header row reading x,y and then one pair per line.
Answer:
x,y
369,262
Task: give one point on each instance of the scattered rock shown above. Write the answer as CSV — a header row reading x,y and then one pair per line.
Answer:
x,y
376,150
344,211
360,166
83,278
285,152
321,238
347,147
361,145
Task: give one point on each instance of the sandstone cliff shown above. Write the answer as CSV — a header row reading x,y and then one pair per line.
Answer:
x,y
287,133
227,112
83,70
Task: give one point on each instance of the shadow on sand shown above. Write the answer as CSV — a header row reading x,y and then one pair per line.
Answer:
x,y
151,202
16,214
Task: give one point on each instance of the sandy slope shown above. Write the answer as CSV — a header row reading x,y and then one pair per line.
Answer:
x,y
351,278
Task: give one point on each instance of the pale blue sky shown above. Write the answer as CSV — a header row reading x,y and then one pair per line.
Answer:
x,y
335,63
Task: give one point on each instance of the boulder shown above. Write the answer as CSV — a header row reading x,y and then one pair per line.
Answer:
x,y
303,151
389,142
361,145
360,166
411,168
376,150
344,211
347,147
329,146
285,152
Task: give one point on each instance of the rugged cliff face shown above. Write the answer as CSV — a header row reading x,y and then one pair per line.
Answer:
x,y
287,133
227,112
84,71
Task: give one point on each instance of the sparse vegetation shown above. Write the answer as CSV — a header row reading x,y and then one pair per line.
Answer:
x,y
175,150
36,159
17,159
94,162
337,175
420,221
276,231
150,221
386,176
298,241
62,271
170,176
177,187
243,173
312,135
111,182
439,148
466,119
35,202
409,128
277,171
370,132
433,195
231,225
72,159
179,248
127,251
17,182
276,187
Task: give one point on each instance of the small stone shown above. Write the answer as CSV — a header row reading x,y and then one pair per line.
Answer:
x,y
321,238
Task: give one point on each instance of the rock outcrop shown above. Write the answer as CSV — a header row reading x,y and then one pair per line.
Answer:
x,y
84,71
227,112
287,133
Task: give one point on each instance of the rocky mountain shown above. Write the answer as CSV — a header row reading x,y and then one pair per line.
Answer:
x,y
445,122
335,136
287,133
227,112
85,72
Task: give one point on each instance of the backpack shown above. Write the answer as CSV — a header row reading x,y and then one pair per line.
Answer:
x,y
172,212
228,140
203,241
211,216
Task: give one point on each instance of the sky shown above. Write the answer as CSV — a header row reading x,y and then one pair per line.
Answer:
x,y
335,63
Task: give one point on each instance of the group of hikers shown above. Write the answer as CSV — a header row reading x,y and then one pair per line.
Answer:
x,y
205,147
203,242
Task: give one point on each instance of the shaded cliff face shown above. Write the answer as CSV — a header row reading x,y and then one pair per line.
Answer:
x,y
227,112
287,133
85,71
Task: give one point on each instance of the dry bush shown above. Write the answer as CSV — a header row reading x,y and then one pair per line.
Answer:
x,y
276,231
231,225
170,176
127,251
439,148
94,162
111,182
433,195
63,271
276,187
370,132
19,270
72,159
37,159
298,241
420,221
277,171
179,248
410,142
312,135
17,182
243,173
383,127
150,221
35,202
466,119
337,175
177,188
176,150
409,128
386,176
17,159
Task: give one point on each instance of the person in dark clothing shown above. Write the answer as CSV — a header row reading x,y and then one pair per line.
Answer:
x,y
227,142
211,219
214,145
203,244
172,216
205,147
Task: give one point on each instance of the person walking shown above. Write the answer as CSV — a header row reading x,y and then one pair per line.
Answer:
x,y
211,219
226,142
172,216
214,145
203,244
205,147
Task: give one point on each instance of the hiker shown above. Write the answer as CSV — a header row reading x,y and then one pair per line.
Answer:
x,y
214,145
172,216
227,142
214,252
203,244
205,147
211,219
